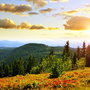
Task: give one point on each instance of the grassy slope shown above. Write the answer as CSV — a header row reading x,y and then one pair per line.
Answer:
x,y
71,80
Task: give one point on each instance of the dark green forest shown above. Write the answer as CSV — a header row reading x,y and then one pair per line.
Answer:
x,y
55,60
8,55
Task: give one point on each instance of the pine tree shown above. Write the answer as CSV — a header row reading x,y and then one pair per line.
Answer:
x,y
7,70
83,49
74,59
21,67
25,66
88,56
15,68
11,69
51,52
66,51
78,52
55,71
1,72
29,64
41,59
3,67
33,63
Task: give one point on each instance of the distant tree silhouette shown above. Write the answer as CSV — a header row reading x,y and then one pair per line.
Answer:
x,y
78,52
83,50
88,56
51,52
66,50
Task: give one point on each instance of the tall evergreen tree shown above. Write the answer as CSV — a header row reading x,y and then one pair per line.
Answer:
x,y
21,67
3,67
88,56
15,68
25,66
83,49
66,50
11,69
33,63
41,59
51,52
74,59
78,52
1,72
7,70
29,64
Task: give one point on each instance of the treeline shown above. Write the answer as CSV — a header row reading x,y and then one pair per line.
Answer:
x,y
18,67
50,64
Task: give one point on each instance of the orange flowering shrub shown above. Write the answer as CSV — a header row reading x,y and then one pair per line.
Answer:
x,y
77,79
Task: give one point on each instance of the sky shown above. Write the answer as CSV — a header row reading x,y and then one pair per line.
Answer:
x,y
52,22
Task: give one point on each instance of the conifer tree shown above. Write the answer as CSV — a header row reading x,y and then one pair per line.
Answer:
x,y
11,69
29,64
78,52
88,56
51,52
33,63
3,67
66,51
25,66
7,70
1,72
21,67
83,49
15,68
74,59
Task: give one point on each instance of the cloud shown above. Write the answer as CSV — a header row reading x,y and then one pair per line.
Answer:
x,y
71,12
33,13
62,7
87,5
87,9
15,9
46,10
24,25
77,23
51,28
7,23
67,14
65,1
38,3
37,27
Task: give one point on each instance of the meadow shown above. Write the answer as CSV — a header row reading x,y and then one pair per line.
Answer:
x,y
72,80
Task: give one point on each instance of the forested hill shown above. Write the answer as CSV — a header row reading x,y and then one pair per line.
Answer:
x,y
36,50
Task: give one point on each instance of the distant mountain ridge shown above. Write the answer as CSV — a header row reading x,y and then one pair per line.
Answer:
x,y
6,43
37,50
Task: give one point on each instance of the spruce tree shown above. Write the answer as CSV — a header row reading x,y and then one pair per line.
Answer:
x,y
51,52
74,59
15,68
21,67
83,49
1,72
66,51
7,70
88,56
78,52
11,69
29,64
25,66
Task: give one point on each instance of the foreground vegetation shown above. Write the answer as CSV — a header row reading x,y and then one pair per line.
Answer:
x,y
71,80
50,64
68,72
